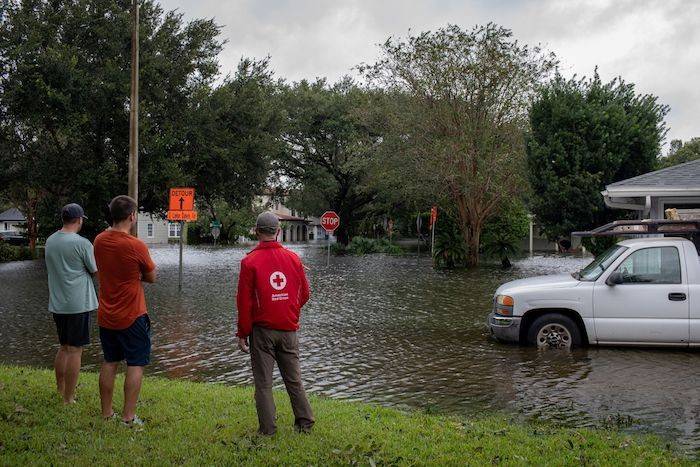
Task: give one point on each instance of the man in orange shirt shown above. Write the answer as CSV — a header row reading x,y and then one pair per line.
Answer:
x,y
123,263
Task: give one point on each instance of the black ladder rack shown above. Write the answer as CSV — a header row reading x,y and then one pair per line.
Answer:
x,y
643,227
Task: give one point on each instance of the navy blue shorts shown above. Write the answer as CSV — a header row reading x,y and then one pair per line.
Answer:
x,y
73,328
132,344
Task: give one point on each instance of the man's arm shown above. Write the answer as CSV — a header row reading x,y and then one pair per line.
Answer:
x,y
148,267
89,258
245,297
149,277
305,290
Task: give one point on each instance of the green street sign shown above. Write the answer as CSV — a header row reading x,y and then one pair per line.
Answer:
x,y
215,224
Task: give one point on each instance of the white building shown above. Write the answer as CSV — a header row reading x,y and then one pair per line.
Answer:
x,y
155,230
651,194
12,220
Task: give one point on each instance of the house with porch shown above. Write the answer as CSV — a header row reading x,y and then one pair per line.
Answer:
x,y
296,226
652,194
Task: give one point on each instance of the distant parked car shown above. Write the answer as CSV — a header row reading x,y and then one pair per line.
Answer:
x,y
14,238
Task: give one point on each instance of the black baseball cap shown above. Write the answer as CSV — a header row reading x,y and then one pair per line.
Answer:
x,y
72,211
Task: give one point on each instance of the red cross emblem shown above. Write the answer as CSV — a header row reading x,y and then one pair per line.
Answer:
x,y
278,280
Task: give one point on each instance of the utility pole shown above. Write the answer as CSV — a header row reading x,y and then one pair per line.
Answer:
x,y
134,111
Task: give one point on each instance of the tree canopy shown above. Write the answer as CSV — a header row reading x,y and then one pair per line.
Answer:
x,y
584,135
681,152
330,149
64,104
460,126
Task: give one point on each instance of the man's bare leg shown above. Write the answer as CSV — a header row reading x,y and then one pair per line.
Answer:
x,y
72,357
132,387
59,365
108,373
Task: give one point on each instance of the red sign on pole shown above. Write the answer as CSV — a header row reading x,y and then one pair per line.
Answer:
x,y
330,221
433,215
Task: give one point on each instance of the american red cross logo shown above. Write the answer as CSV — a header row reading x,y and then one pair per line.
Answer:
x,y
278,280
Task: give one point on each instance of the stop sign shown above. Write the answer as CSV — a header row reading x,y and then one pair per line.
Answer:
x,y
330,221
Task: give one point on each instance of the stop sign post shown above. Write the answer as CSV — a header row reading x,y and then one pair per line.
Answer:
x,y
330,221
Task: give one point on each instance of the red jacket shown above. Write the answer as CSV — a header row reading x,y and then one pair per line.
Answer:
x,y
272,288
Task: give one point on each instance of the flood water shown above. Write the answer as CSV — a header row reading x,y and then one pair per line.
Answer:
x,y
387,330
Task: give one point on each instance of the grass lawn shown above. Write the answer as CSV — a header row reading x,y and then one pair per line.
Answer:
x,y
205,424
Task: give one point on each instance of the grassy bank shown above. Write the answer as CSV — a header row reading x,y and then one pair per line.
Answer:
x,y
197,423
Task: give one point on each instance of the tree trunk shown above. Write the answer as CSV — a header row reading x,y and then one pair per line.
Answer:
x,y
32,228
473,243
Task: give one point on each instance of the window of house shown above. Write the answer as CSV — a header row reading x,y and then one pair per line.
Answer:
x,y
149,230
174,230
660,265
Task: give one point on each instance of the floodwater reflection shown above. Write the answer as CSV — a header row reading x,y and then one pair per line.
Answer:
x,y
388,330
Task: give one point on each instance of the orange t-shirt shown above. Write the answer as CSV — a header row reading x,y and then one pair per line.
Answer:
x,y
121,261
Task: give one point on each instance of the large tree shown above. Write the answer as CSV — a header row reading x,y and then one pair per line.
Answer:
x,y
330,149
461,124
64,100
233,135
584,135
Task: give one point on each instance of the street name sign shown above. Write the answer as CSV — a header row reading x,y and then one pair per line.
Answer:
x,y
330,221
186,216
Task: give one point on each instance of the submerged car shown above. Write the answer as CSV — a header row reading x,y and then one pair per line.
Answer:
x,y
640,292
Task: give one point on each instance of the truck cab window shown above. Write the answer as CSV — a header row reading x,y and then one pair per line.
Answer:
x,y
659,265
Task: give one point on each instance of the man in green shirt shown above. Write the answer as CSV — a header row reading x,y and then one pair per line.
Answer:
x,y
70,263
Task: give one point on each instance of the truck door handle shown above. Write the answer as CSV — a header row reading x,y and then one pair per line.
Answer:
x,y
677,297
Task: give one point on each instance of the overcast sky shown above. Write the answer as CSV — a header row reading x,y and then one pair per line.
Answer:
x,y
654,44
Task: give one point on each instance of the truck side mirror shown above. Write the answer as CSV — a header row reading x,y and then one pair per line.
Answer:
x,y
614,279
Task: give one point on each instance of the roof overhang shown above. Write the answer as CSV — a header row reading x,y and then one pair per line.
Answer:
x,y
641,191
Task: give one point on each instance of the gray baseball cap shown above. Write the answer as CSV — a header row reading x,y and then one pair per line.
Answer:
x,y
72,211
267,222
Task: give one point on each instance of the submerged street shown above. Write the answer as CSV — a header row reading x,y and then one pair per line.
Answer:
x,y
389,330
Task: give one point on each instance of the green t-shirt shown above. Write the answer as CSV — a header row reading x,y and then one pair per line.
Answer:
x,y
70,261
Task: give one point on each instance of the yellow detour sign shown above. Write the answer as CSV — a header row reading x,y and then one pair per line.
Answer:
x,y
182,205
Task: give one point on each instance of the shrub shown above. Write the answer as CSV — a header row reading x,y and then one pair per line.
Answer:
x,y
503,233
365,246
8,253
450,248
14,253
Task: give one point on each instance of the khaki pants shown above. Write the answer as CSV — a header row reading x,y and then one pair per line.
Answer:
x,y
268,346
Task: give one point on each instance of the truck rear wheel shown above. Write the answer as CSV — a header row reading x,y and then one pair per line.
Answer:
x,y
554,331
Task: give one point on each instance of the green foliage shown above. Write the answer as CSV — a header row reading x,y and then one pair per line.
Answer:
x,y
189,423
598,245
681,152
504,232
365,246
457,105
14,253
584,135
234,224
233,135
64,90
329,152
450,248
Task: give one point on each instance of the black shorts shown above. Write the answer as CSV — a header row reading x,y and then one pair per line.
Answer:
x,y
73,329
132,344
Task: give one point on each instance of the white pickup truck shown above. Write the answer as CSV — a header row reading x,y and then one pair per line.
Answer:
x,y
641,292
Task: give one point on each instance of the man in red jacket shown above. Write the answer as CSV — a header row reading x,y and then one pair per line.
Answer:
x,y
272,288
